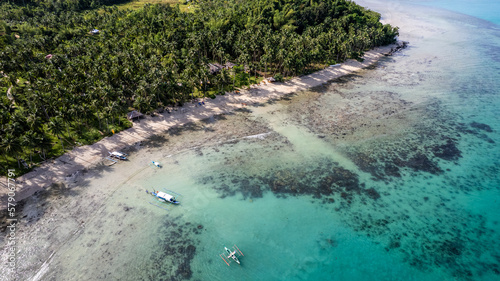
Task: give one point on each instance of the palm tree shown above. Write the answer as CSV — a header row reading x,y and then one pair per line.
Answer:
x,y
224,79
56,126
45,144
10,145
30,141
34,121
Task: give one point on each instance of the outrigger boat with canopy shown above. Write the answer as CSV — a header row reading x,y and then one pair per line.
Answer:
x,y
231,254
165,196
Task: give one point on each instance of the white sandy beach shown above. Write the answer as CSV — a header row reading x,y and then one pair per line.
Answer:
x,y
88,156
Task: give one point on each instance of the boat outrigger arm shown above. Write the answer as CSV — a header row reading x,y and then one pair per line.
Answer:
x,y
231,254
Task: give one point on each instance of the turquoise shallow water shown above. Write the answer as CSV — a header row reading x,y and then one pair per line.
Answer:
x,y
387,174
483,9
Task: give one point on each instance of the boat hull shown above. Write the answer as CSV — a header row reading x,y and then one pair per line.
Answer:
x,y
232,255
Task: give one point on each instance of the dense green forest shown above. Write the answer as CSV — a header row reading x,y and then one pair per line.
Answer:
x,y
62,86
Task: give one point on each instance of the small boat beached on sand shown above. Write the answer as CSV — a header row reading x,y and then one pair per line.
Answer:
x,y
231,255
118,155
166,196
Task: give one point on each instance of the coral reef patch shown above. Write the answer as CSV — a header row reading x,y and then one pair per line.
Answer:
x,y
178,249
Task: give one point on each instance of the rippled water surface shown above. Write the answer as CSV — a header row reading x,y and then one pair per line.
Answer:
x,y
391,173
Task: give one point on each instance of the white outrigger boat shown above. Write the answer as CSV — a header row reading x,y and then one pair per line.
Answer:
x,y
166,196
118,155
231,255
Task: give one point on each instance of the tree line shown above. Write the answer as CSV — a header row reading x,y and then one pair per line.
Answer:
x,y
61,85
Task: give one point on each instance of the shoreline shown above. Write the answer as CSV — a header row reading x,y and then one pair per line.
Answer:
x,y
88,156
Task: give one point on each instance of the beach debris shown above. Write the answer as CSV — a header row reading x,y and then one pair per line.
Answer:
x,y
94,31
73,177
258,136
49,56
399,46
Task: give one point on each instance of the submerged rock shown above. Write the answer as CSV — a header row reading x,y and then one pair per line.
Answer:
x,y
447,151
420,162
481,126
322,179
